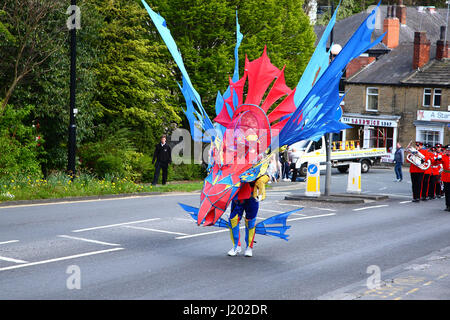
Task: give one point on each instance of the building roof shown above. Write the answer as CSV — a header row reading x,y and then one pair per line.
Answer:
x,y
396,65
415,21
390,68
437,72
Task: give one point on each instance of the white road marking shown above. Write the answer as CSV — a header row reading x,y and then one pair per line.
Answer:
x,y
372,207
156,230
324,209
292,205
227,230
201,234
270,210
9,241
184,219
312,217
165,194
383,188
90,240
60,259
12,260
402,202
115,225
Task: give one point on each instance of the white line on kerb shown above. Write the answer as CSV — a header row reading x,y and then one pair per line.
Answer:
x,y
372,207
156,230
59,259
12,260
90,240
9,241
115,225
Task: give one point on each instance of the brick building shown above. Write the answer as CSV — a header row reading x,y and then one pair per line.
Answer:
x,y
399,90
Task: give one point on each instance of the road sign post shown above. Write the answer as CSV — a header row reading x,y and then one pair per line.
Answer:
x,y
313,180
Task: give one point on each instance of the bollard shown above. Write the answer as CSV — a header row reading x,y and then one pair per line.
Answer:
x,y
313,180
354,178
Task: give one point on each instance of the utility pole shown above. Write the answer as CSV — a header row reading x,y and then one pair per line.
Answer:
x,y
73,59
328,135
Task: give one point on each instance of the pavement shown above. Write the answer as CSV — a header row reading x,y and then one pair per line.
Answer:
x,y
148,248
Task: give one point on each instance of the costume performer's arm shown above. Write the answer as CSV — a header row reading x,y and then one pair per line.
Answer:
x,y
259,191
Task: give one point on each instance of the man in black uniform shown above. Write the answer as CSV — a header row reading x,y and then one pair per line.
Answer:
x,y
163,158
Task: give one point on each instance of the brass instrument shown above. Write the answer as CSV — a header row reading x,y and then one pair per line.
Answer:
x,y
417,158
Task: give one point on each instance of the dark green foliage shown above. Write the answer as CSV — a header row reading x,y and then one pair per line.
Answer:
x,y
205,32
127,94
19,144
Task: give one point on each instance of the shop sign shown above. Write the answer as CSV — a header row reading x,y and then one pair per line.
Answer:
x,y
369,122
438,116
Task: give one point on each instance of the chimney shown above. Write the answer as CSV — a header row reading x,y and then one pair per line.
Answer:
x,y
401,12
421,49
442,45
391,25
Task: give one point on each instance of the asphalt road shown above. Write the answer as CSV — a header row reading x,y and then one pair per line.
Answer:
x,y
149,248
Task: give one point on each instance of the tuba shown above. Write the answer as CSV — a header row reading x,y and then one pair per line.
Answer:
x,y
417,158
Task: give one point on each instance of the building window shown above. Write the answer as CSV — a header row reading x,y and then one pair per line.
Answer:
x,y
426,97
372,99
437,98
430,136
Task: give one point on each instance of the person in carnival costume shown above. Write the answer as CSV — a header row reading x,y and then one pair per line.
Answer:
x,y
244,136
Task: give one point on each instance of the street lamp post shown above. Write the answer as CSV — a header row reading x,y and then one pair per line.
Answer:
x,y
73,59
328,135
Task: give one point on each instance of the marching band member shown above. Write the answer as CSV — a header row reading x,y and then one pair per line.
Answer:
x,y
426,175
435,166
439,187
445,161
417,174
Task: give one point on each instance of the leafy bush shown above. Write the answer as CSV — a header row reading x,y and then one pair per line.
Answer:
x,y
19,145
115,156
186,172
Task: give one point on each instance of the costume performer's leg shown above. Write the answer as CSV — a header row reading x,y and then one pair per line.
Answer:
x,y
237,209
251,210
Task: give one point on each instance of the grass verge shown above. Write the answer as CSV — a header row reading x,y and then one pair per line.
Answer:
x,y
61,186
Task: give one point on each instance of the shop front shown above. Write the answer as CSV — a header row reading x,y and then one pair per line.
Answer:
x,y
372,131
432,126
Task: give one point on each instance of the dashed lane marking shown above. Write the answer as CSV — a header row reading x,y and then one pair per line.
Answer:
x,y
12,260
270,210
372,207
312,217
90,240
324,209
201,234
115,225
9,241
156,230
29,264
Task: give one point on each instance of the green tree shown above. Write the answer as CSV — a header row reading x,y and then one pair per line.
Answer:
x,y
205,34
32,37
46,85
133,91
